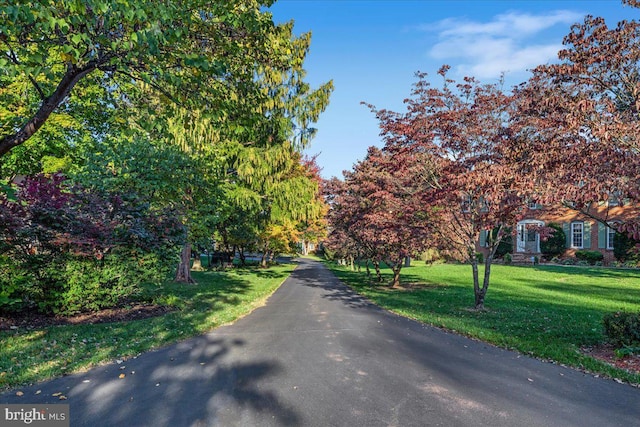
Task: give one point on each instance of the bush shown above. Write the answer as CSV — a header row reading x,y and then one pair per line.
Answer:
x,y
554,245
505,247
12,281
589,256
622,328
507,259
480,257
431,256
76,250
624,248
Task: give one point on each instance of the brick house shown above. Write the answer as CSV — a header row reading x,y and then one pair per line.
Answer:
x,y
582,231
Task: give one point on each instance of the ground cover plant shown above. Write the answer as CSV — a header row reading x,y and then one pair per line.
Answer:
x,y
33,354
553,313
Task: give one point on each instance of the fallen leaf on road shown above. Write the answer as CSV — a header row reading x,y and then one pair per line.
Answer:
x,y
63,398
39,391
56,394
121,376
529,379
19,393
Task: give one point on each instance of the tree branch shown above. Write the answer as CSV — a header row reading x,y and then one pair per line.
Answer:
x,y
48,106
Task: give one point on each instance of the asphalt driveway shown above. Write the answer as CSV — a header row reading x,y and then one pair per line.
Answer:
x,y
319,355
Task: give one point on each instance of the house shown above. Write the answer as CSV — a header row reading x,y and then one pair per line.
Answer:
x,y
582,230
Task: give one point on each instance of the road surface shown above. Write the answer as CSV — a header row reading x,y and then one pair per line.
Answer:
x,y
319,355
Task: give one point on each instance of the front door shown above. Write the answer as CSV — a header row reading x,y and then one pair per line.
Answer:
x,y
528,240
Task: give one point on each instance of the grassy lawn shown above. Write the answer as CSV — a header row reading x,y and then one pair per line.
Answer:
x,y
549,312
28,356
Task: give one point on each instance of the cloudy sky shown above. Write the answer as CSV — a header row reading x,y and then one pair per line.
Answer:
x,y
371,49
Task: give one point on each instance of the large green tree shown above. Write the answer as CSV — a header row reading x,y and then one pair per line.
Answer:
x,y
190,51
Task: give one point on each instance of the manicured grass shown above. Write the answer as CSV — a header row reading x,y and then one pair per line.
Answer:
x,y
27,356
549,312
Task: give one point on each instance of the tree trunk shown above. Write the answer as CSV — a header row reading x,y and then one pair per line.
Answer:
x,y
368,270
351,265
477,291
376,265
407,261
396,274
480,296
241,256
183,274
479,301
265,254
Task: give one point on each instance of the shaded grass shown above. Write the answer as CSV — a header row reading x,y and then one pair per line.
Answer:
x,y
28,356
548,312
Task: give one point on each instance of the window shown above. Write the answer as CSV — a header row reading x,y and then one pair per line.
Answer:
x,y
577,235
533,205
466,203
610,235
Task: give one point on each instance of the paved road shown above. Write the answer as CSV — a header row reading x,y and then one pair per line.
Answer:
x,y
319,355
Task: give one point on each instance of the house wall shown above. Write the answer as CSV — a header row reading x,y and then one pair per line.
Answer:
x,y
595,233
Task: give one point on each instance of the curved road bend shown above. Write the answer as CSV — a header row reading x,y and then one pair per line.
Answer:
x,y
319,355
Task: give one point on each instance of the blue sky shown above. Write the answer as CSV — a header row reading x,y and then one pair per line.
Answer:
x,y
371,50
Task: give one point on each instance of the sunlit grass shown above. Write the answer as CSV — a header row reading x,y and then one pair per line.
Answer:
x,y
28,356
549,312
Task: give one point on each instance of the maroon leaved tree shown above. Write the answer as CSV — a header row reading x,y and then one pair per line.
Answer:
x,y
579,120
374,212
460,137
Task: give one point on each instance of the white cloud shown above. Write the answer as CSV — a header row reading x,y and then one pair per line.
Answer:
x,y
510,43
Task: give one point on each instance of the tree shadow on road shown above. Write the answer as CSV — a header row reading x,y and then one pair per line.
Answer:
x,y
316,276
185,384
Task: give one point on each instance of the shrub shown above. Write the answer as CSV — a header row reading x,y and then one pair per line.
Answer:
x,y
624,248
431,256
505,246
622,328
11,282
554,245
480,257
73,250
328,253
589,256
507,259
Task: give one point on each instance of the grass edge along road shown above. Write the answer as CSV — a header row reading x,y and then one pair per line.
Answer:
x,y
548,312
218,298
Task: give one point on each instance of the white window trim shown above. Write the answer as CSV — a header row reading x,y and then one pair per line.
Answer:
x,y
610,233
573,231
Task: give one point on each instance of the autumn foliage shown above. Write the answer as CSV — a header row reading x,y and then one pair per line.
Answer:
x,y
578,121
472,156
376,215
65,249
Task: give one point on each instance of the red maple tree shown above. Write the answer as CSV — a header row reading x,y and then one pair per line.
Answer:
x,y
460,136
375,213
579,120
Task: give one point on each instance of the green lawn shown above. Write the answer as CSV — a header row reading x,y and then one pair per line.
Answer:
x,y
549,312
27,356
